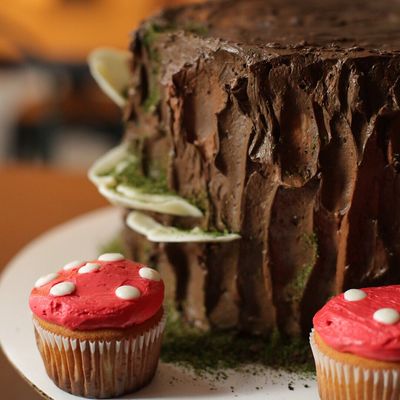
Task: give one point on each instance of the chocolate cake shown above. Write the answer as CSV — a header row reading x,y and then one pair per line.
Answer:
x,y
280,121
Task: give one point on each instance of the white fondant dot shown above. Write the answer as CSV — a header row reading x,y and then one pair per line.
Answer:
x,y
127,292
72,265
43,280
149,273
354,295
88,267
62,289
111,257
387,316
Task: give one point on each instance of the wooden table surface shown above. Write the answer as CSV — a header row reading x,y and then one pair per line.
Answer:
x,y
32,200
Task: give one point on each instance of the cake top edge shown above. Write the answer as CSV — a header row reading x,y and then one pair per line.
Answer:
x,y
288,26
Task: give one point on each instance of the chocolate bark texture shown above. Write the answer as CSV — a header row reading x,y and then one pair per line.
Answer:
x,y
280,120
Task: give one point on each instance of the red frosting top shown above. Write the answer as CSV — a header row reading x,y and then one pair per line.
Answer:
x,y
364,322
98,294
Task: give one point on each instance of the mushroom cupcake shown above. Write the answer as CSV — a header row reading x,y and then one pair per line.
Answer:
x,y
356,345
99,324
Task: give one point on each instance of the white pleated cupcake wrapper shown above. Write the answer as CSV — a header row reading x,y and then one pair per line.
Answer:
x,y
350,382
132,353
67,343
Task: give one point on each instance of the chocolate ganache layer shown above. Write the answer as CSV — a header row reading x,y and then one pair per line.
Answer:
x,y
280,120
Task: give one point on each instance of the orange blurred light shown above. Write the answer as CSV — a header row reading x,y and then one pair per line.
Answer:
x,y
66,30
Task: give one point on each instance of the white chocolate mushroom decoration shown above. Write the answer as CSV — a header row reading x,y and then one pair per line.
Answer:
x,y
111,70
155,232
104,174
99,172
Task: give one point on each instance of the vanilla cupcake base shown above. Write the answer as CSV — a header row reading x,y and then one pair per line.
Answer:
x,y
100,368
343,376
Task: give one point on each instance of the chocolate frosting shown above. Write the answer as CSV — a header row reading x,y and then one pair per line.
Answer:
x,y
281,119
293,26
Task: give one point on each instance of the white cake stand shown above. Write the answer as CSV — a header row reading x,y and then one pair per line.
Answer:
x,y
81,238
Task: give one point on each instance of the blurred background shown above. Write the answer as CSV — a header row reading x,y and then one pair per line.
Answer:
x,y
54,121
51,111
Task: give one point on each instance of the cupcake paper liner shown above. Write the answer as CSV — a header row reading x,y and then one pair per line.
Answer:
x,y
344,381
100,368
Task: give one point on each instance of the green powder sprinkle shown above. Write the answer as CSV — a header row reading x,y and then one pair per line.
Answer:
x,y
196,28
299,283
152,99
131,176
216,351
129,173
297,286
200,200
150,37
311,241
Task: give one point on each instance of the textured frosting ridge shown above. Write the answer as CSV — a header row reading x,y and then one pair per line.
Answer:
x,y
96,302
355,326
280,119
